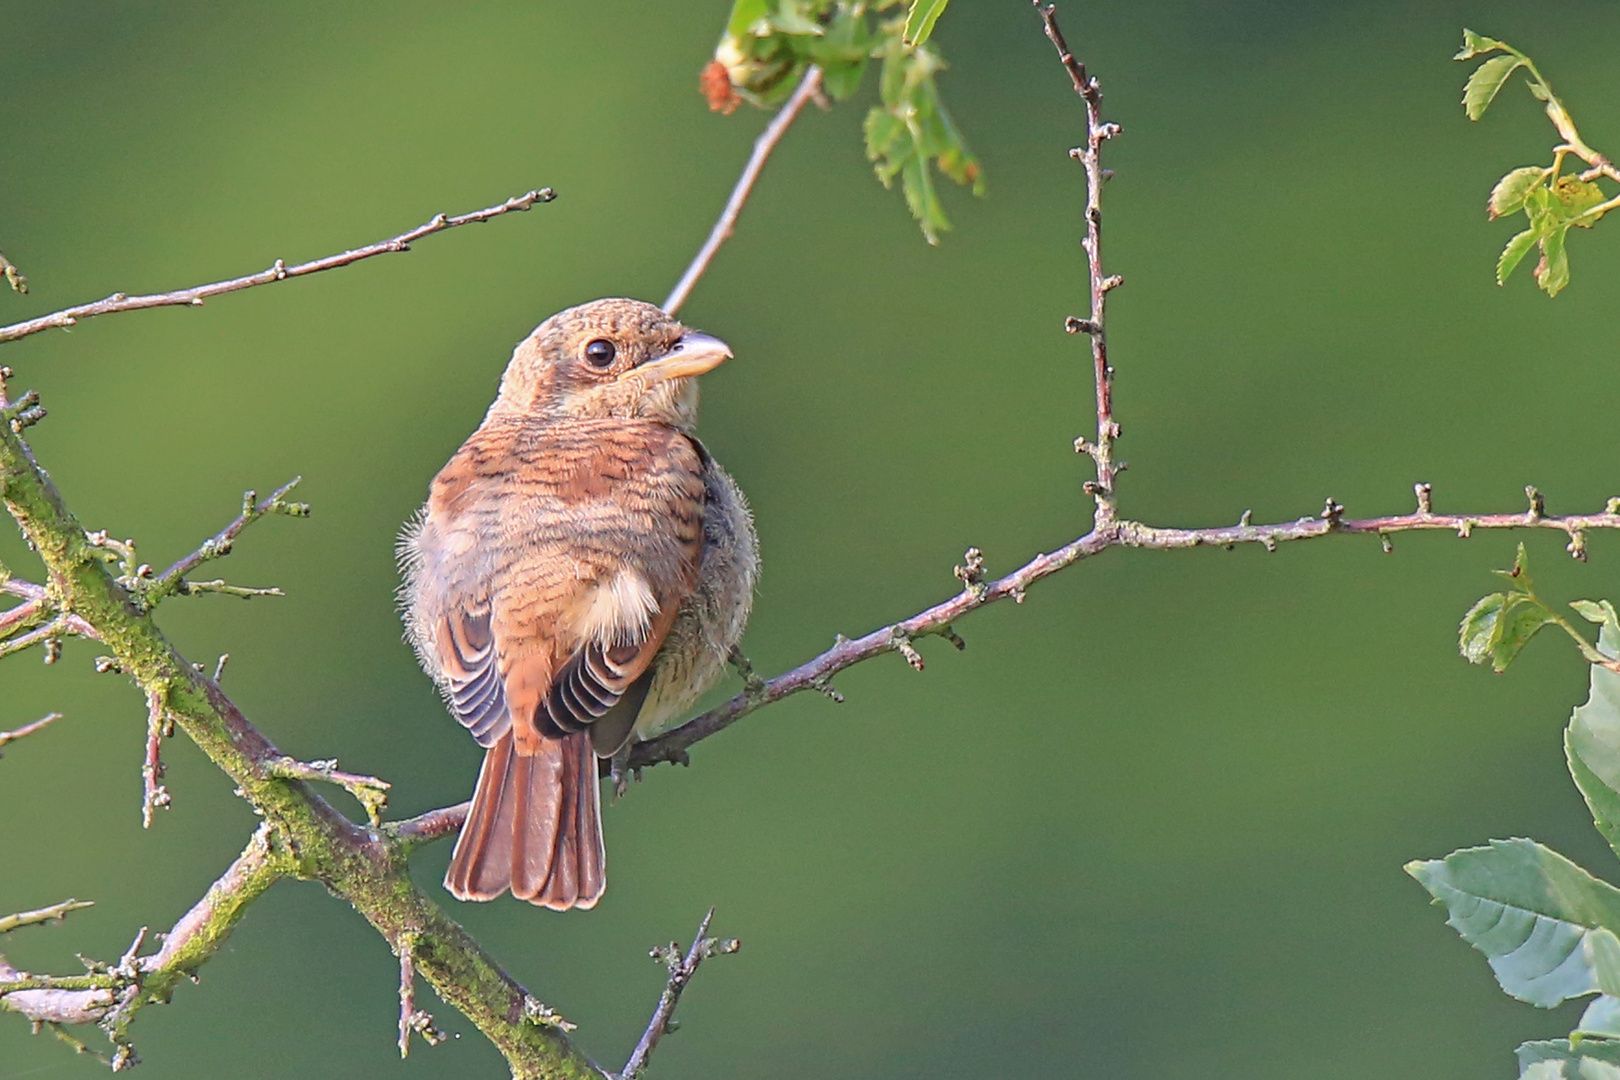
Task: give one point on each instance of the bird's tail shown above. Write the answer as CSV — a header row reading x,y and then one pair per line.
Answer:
x,y
535,827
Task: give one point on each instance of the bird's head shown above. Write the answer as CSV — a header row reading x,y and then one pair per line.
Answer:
x,y
610,358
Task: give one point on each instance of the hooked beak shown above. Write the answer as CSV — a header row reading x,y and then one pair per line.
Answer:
x,y
692,354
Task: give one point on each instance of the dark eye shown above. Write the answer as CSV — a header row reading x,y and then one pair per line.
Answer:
x,y
600,353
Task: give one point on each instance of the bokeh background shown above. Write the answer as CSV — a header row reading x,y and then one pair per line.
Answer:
x,y
1150,824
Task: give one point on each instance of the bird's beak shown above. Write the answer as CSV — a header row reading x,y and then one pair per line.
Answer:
x,y
692,354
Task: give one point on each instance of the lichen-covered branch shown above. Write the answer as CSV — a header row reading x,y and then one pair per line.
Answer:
x,y
363,865
111,995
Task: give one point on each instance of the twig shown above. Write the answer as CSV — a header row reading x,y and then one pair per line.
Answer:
x,y
428,827
23,733
809,86
54,913
681,970
278,271
194,939
158,726
173,580
410,1017
369,791
1101,284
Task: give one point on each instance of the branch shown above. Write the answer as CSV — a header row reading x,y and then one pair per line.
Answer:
x,y
278,271
22,733
364,866
681,970
54,913
809,87
173,580
1101,284
111,994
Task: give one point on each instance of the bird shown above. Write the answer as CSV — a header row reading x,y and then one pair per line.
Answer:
x,y
580,573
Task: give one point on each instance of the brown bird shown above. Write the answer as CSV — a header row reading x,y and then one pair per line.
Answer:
x,y
579,575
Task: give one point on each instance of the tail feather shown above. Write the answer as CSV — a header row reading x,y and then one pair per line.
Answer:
x,y
535,828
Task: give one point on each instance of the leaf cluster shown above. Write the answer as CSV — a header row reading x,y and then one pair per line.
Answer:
x,y
1549,930
1552,202
768,44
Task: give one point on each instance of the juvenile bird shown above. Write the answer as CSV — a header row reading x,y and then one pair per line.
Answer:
x,y
579,575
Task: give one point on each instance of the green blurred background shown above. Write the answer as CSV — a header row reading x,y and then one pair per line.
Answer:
x,y
1150,824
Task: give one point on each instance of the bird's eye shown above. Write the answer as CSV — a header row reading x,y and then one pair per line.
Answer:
x,y
600,353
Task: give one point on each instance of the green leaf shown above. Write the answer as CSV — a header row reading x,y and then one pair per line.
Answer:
x,y
1486,80
1574,197
1601,1020
1552,272
921,197
1509,192
1474,44
1477,637
920,19
1546,926
1559,1059
1512,255
745,15
1599,611
1519,575
1592,739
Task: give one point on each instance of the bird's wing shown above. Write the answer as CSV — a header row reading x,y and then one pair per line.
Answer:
x,y
610,546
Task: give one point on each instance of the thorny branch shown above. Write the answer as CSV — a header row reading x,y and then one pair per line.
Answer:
x,y
681,969
808,89
278,271
303,836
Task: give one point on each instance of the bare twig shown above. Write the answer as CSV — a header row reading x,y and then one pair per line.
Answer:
x,y
158,726
428,827
809,86
54,913
1101,284
681,970
23,733
173,580
278,271
412,1019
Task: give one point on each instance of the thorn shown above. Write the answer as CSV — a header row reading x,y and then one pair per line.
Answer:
x,y
1465,528
1082,445
1112,282
1082,326
1246,520
902,643
1425,498
1389,545
1269,543
971,573
950,635
1612,506
1538,502
1332,511
1577,545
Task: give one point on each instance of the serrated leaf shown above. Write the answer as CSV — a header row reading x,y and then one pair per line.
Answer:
x,y
1552,272
1509,192
1558,1059
796,17
1592,739
745,15
1523,620
1474,44
921,197
920,19
1546,926
1512,255
1519,575
1486,80
1480,628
